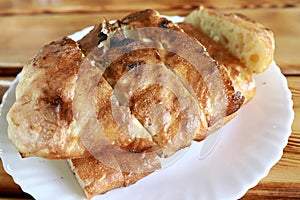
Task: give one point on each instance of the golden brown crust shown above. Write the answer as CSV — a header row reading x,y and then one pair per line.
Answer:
x,y
92,39
119,136
123,54
149,105
148,18
96,177
44,120
241,78
123,58
39,121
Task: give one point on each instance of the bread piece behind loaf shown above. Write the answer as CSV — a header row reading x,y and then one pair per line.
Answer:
x,y
249,41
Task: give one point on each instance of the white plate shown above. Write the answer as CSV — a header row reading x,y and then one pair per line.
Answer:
x,y
247,149
249,146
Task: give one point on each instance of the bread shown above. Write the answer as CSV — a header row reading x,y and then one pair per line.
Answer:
x,y
133,91
40,120
198,72
238,75
96,177
248,40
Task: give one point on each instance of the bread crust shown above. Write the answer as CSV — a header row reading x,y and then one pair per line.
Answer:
x,y
96,177
40,119
246,39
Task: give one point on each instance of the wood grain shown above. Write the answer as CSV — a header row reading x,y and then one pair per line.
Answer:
x,y
4,84
8,188
29,7
31,32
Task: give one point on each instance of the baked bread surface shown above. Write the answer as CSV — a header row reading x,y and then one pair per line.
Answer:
x,y
40,120
111,104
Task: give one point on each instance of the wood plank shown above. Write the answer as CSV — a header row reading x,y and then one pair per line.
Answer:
x,y
23,35
294,85
8,187
10,70
9,7
273,190
15,198
4,84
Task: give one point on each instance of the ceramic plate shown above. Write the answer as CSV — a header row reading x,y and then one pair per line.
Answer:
x,y
245,152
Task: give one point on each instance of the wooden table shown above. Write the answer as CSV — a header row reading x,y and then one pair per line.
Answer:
x,y
26,25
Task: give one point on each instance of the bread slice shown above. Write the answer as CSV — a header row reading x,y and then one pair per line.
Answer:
x,y
40,120
242,79
249,41
96,177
